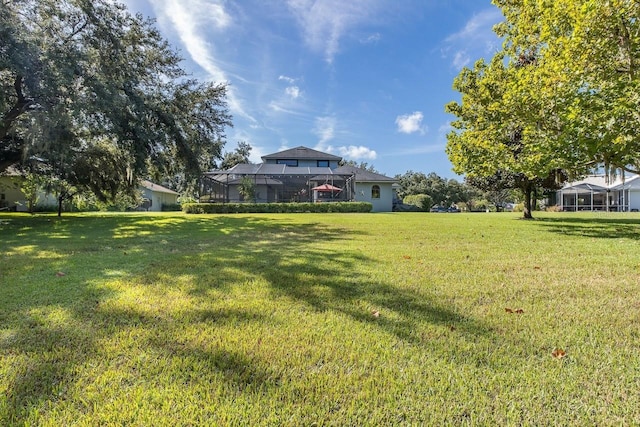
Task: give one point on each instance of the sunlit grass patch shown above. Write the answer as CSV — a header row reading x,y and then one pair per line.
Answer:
x,y
350,319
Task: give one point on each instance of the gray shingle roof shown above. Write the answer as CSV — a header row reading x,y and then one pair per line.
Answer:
x,y
302,153
363,175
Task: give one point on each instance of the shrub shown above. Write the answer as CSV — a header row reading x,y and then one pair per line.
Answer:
x,y
422,201
220,208
170,207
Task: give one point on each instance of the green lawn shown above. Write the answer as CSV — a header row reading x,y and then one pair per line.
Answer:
x,y
319,319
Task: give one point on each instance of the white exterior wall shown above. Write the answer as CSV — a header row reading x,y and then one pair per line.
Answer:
x,y
384,203
10,188
634,199
15,198
158,199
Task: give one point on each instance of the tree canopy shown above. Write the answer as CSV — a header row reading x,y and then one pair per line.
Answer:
x,y
441,191
560,98
96,97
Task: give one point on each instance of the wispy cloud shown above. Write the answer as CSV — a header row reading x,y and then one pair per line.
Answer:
x,y
288,79
191,20
372,38
326,22
444,129
476,36
421,149
325,130
411,123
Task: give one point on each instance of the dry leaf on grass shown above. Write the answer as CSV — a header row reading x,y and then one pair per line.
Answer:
x,y
558,353
60,274
375,313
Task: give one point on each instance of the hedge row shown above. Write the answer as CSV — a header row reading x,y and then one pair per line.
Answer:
x,y
217,208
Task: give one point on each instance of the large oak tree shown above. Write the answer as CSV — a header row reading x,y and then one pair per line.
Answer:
x,y
93,95
561,97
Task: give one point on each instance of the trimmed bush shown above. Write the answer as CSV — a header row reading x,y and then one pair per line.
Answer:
x,y
220,208
422,201
172,207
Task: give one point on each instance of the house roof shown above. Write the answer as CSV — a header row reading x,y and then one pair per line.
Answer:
x,y
599,183
363,175
271,170
155,187
302,153
263,180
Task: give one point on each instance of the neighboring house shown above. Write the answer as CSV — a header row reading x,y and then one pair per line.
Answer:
x,y
11,196
155,196
13,199
299,174
596,193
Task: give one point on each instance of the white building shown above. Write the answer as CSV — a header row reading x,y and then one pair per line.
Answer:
x,y
596,193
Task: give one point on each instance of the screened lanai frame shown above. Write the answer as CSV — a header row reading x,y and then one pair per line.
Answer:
x,y
275,183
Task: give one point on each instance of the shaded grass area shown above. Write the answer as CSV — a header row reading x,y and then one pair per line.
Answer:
x,y
345,319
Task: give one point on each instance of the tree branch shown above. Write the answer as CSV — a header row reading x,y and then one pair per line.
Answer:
x,y
21,105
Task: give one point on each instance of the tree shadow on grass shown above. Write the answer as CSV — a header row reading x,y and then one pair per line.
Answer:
x,y
600,228
305,263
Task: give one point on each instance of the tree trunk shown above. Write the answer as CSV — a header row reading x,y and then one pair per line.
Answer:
x,y
528,196
60,200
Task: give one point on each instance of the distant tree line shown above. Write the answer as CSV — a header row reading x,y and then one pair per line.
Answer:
x,y
427,190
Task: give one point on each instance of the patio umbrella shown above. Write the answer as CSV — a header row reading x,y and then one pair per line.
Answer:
x,y
327,187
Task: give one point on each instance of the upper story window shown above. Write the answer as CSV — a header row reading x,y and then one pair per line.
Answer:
x,y
323,163
288,162
375,192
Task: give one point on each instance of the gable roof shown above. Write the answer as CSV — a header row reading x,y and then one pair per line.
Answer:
x,y
155,187
599,183
302,153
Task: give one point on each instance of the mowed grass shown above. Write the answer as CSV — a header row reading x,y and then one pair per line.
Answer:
x,y
319,319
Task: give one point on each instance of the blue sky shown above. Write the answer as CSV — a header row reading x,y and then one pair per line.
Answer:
x,y
363,79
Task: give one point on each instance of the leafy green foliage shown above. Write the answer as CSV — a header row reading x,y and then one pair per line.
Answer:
x,y
238,156
559,99
94,97
422,201
247,189
362,165
441,191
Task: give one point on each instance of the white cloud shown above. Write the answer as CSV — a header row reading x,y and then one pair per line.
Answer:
x,y
293,91
358,152
325,129
325,22
411,123
476,36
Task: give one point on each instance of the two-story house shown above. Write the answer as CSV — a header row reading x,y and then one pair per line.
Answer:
x,y
299,174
